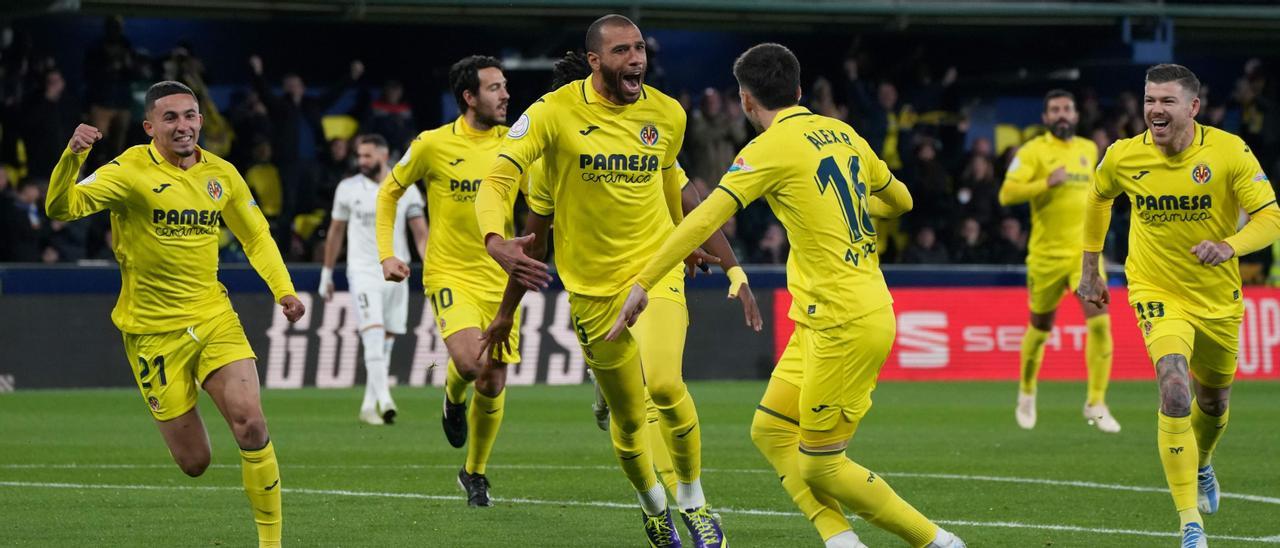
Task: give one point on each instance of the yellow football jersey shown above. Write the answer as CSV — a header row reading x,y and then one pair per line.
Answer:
x,y
817,175
452,160
1057,214
606,166
165,223
1179,201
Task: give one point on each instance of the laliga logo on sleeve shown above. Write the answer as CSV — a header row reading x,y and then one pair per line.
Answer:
x,y
649,134
1201,173
215,189
520,128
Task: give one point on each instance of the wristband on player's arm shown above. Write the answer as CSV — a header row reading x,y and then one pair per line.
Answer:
x,y
326,277
737,279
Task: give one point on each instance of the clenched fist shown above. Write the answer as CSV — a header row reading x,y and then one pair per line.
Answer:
x,y
84,138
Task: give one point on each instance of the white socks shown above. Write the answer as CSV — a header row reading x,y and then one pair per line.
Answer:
x,y
653,501
689,495
375,365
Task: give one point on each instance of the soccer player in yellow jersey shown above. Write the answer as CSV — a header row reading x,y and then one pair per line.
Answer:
x,y
463,285
609,145
1055,172
1188,184
167,201
825,183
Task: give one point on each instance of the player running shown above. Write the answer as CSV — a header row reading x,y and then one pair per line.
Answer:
x,y
167,201
462,283
609,146
382,307
1188,184
824,183
1055,172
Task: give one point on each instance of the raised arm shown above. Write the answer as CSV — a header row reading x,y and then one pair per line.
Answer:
x,y
249,226
67,200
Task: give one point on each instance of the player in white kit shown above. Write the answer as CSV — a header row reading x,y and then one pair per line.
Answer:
x,y
382,307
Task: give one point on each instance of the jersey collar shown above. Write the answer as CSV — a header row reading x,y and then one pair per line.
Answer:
x,y
461,127
590,96
789,113
1197,140
154,154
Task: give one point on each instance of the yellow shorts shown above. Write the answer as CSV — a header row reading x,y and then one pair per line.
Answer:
x,y
593,317
457,308
1211,345
838,368
1048,279
170,366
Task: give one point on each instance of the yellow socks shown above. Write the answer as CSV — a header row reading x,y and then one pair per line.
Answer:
x,y
1178,454
1097,357
623,387
261,475
778,440
483,421
455,387
1208,430
1032,357
868,495
679,426
661,457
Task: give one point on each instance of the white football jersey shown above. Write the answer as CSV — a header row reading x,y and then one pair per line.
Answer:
x,y
356,203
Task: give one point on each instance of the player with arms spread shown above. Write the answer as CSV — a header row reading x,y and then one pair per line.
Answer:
x,y
167,200
608,144
463,285
382,307
1188,184
825,183
1054,172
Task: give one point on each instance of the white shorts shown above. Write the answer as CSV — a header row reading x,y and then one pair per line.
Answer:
x,y
379,302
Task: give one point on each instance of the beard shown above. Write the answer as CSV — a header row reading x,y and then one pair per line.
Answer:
x,y
1063,130
371,172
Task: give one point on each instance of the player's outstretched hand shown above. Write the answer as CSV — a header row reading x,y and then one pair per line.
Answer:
x,y
512,257
394,270
698,260
1213,253
496,339
293,308
83,138
1057,177
326,284
637,300
750,310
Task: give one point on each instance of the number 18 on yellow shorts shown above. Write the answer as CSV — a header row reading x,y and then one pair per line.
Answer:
x,y
169,367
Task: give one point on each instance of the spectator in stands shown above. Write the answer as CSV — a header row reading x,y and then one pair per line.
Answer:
x,y
977,194
297,137
873,113
822,100
925,248
1259,126
48,119
391,116
1101,139
1011,246
930,186
1090,110
252,125
7,210
712,137
264,181
773,247
970,247
23,223
64,242
110,68
337,165
1128,120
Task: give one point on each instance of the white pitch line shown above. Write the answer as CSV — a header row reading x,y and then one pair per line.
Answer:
x,y
611,504
921,475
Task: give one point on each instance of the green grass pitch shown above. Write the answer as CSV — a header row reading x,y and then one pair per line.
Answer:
x,y
87,468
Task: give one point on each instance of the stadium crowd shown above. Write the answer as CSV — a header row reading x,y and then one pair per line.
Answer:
x,y
275,133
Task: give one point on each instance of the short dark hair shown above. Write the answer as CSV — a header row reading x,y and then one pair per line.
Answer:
x,y
160,90
465,76
1057,94
371,139
595,34
771,73
1170,72
573,66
